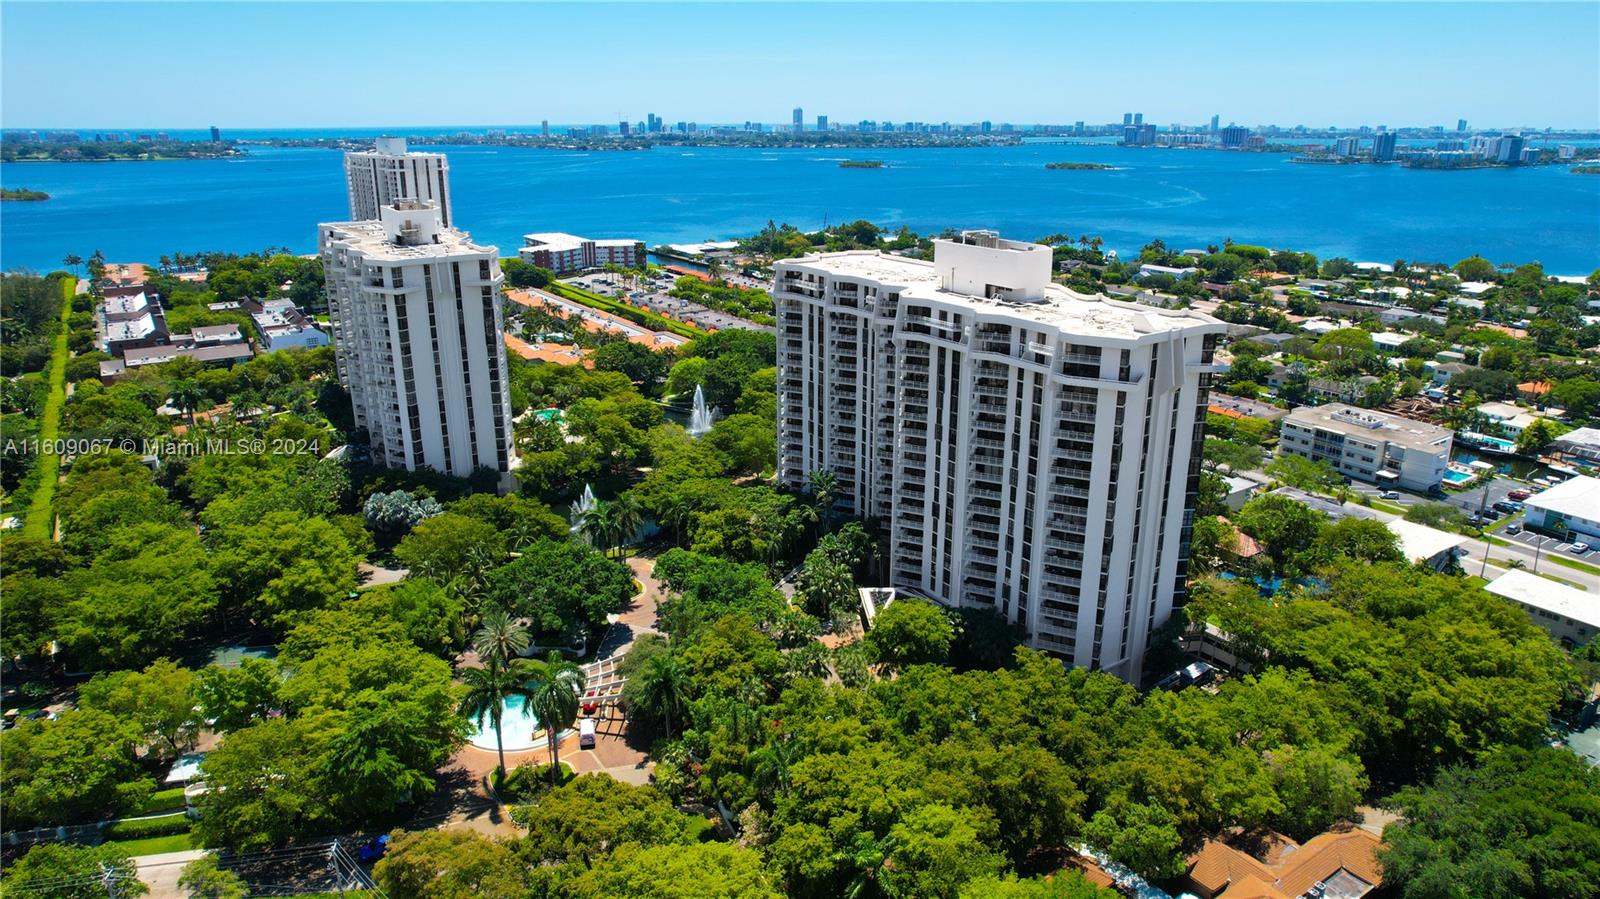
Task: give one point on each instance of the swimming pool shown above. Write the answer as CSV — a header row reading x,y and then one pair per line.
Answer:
x,y
1453,478
517,723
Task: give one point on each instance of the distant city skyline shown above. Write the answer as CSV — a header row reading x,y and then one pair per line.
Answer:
x,y
1401,64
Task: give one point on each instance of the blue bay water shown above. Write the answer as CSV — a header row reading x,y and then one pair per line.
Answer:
x,y
276,196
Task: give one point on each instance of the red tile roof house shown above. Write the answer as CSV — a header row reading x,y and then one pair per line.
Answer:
x,y
1333,865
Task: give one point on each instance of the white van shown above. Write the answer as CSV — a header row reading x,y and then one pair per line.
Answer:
x,y
586,733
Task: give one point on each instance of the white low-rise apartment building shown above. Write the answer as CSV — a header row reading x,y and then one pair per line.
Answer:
x,y
283,326
1569,614
1370,446
1572,505
567,254
389,171
1028,449
417,322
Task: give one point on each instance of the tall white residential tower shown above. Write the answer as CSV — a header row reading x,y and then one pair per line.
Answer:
x,y
388,172
417,321
1027,449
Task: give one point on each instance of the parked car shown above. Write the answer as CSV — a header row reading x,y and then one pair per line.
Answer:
x,y
1518,495
1507,507
1580,548
1513,529
586,733
1389,494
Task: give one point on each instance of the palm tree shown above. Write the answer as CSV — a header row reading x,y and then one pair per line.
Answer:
x,y
488,689
553,685
501,638
674,511
599,524
186,393
824,489
663,681
772,763
72,261
628,517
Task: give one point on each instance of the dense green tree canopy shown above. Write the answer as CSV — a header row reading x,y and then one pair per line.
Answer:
x,y
1522,822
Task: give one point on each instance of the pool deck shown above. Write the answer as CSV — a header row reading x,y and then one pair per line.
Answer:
x,y
464,800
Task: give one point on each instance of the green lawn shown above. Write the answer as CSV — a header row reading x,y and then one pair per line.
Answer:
x,y
40,508
176,842
1391,508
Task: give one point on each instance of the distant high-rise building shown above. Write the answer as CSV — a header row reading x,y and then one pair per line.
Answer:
x,y
544,128
822,123
1127,119
1077,127
417,325
985,127
1138,119
623,128
389,172
1029,450
1347,146
1214,120
652,123
1461,124
1234,136
1510,148
216,136
799,119
1383,147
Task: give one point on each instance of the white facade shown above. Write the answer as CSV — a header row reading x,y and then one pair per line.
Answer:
x,y
1370,446
566,254
1028,449
282,327
388,172
417,326
1572,505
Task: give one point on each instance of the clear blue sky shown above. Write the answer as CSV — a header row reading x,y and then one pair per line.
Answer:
x,y
241,65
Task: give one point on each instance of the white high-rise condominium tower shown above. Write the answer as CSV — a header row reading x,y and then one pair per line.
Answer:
x,y
1026,449
387,172
417,324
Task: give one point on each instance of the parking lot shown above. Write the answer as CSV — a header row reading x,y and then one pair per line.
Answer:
x,y
651,293
1546,544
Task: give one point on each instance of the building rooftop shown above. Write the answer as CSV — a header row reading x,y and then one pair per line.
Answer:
x,y
1419,543
554,241
1578,497
409,231
1352,421
1343,863
1057,306
1528,589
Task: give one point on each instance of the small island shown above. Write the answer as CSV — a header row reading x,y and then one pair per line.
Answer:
x,y
861,164
15,193
1586,170
1080,166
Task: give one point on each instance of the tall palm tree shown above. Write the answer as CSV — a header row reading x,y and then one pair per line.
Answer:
x,y
599,524
501,638
487,690
72,261
663,683
186,393
554,684
628,519
824,488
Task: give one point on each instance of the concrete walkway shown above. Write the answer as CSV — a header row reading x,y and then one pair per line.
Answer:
x,y
161,871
